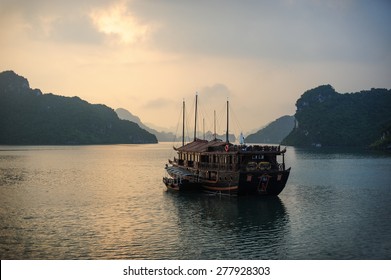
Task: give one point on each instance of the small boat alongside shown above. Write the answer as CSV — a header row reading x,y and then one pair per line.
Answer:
x,y
222,167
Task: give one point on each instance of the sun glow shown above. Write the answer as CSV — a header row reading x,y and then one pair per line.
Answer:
x,y
117,20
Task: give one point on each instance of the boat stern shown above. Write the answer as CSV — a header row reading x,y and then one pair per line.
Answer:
x,y
262,183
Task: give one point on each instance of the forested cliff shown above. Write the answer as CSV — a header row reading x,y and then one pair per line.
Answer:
x,y
325,117
28,117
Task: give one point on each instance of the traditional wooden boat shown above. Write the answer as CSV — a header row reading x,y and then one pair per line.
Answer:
x,y
224,168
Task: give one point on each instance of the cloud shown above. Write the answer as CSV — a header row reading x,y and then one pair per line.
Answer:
x,y
215,92
52,21
158,103
116,19
70,21
284,30
77,29
276,30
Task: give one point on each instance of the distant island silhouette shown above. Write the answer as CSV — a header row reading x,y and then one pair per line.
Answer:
x,y
274,132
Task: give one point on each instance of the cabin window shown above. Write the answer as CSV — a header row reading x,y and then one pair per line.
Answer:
x,y
212,175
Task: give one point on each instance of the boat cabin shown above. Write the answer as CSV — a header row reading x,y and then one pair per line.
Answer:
x,y
220,155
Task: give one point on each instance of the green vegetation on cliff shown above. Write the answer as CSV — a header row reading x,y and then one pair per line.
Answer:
x,y
384,142
28,117
327,118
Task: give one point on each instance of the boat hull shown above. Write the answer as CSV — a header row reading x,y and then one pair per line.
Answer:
x,y
252,183
258,183
181,185
262,183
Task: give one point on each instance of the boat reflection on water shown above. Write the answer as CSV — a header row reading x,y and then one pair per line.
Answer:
x,y
249,227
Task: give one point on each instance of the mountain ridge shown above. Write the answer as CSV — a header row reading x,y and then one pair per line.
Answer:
x,y
29,117
162,136
274,132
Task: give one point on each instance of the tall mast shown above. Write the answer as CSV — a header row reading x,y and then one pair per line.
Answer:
x,y
195,123
183,124
215,125
203,127
227,135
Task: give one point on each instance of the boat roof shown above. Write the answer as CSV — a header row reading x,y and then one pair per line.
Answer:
x,y
200,146
216,145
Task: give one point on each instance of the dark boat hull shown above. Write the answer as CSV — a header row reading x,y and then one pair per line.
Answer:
x,y
252,183
262,183
181,185
258,183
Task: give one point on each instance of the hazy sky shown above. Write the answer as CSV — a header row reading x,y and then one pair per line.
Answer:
x,y
147,56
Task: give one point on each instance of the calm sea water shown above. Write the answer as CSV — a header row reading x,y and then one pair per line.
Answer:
x,y
109,202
